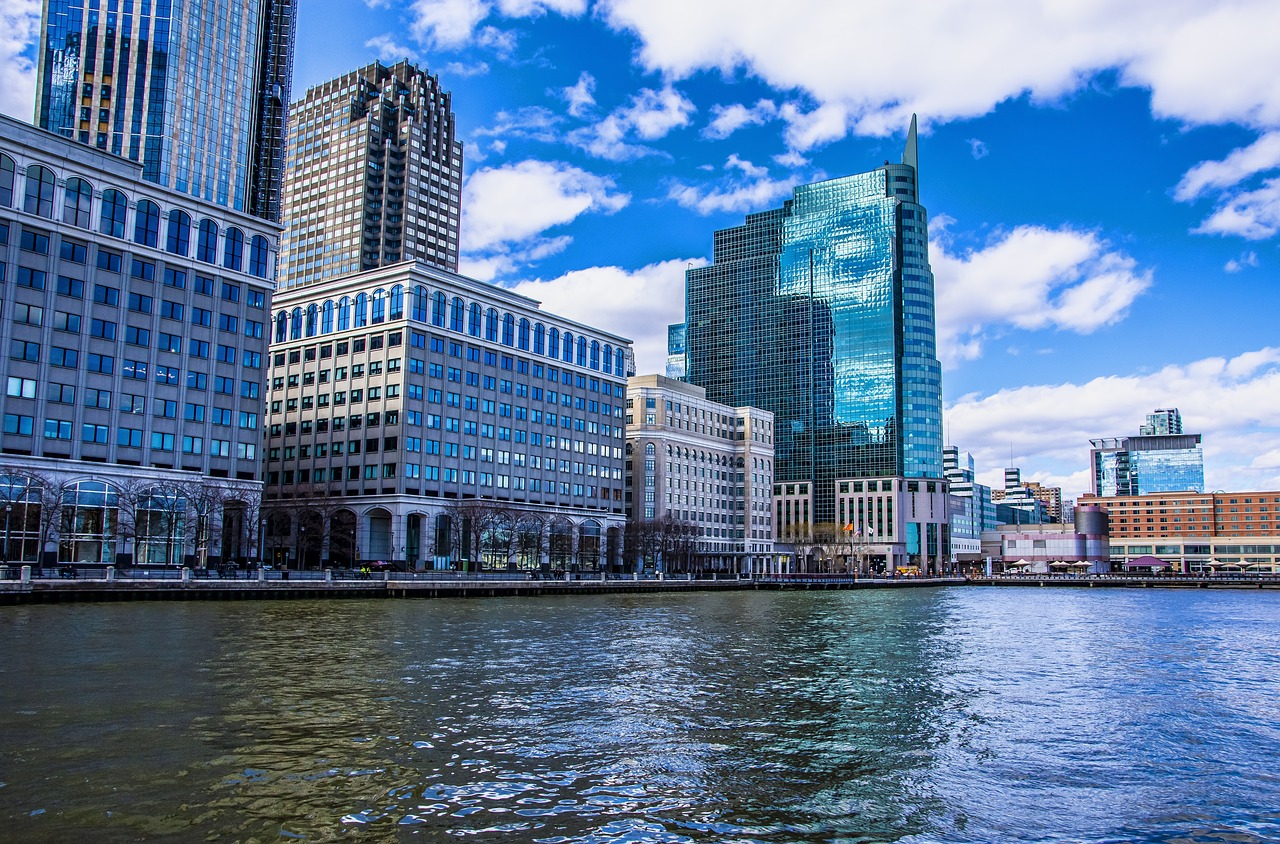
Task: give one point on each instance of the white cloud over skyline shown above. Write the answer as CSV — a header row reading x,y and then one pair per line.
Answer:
x,y
19,28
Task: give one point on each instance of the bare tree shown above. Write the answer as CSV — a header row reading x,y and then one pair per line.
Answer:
x,y
470,521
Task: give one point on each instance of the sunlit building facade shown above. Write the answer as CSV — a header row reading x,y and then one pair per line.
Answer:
x,y
135,332
374,176
197,92
1160,459
822,312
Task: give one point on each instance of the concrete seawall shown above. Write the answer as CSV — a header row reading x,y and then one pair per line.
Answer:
x,y
42,590
1133,582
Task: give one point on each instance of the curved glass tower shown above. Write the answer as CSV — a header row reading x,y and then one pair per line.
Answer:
x,y
822,312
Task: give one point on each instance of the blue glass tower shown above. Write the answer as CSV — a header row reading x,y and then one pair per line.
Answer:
x,y
822,312
195,90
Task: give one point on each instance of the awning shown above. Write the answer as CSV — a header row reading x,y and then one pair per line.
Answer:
x,y
1147,563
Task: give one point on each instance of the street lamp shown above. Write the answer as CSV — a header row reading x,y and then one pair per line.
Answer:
x,y
8,512
302,544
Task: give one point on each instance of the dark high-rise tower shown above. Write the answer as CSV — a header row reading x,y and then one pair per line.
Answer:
x,y
822,312
195,91
373,176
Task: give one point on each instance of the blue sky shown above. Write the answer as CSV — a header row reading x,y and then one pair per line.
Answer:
x,y
1103,180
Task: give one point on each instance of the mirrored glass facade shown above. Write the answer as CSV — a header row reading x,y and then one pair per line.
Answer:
x,y
195,91
822,312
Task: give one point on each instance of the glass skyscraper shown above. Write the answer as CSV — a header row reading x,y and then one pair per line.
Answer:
x,y
821,311
195,90
1160,459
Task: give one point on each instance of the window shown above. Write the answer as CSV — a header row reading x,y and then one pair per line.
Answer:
x,y
19,424
207,243
146,223
7,170
178,240
106,295
233,249
77,199
24,350
39,194
139,303
114,204
76,253
22,388
28,277
258,255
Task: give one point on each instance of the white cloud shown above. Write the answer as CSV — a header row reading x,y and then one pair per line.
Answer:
x,y
728,119
463,71
19,31
1253,215
977,149
507,209
649,116
455,23
1263,154
533,122
1030,278
387,49
1234,403
750,191
579,96
637,304
1246,259
1204,63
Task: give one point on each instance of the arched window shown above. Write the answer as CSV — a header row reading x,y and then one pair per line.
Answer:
x,y
456,311
207,245
491,324
553,343
567,347
7,171
233,249
114,206
295,324
649,450
379,309
595,354
259,255
362,310
282,326
311,320
508,330
179,234
39,198
326,317
582,351
146,223
77,200
397,302
539,339
607,360
438,309
419,309
89,517
522,339
344,313
619,363
474,319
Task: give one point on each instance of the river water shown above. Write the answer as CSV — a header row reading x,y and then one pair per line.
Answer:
x,y
956,714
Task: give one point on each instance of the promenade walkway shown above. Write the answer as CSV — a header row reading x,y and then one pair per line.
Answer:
x,y
1139,581
106,584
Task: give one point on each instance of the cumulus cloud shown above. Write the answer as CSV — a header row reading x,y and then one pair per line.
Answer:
x,y
387,49
579,95
977,149
1203,62
1246,259
639,303
1029,278
1263,154
455,23
507,210
1251,214
532,122
649,115
747,187
1233,402
727,119
19,30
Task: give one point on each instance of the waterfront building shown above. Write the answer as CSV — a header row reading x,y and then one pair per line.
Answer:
x,y
373,177
821,312
196,92
699,470
1160,459
425,419
972,511
135,325
1050,548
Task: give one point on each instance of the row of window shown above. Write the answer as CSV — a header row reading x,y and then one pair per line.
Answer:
x,y
62,429
440,311
77,208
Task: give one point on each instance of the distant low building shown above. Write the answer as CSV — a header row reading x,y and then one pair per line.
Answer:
x,y
1044,548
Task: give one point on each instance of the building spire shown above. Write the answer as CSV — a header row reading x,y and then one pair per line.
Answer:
x,y
911,153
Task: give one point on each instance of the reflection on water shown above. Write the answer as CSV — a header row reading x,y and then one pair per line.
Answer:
x,y
963,714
